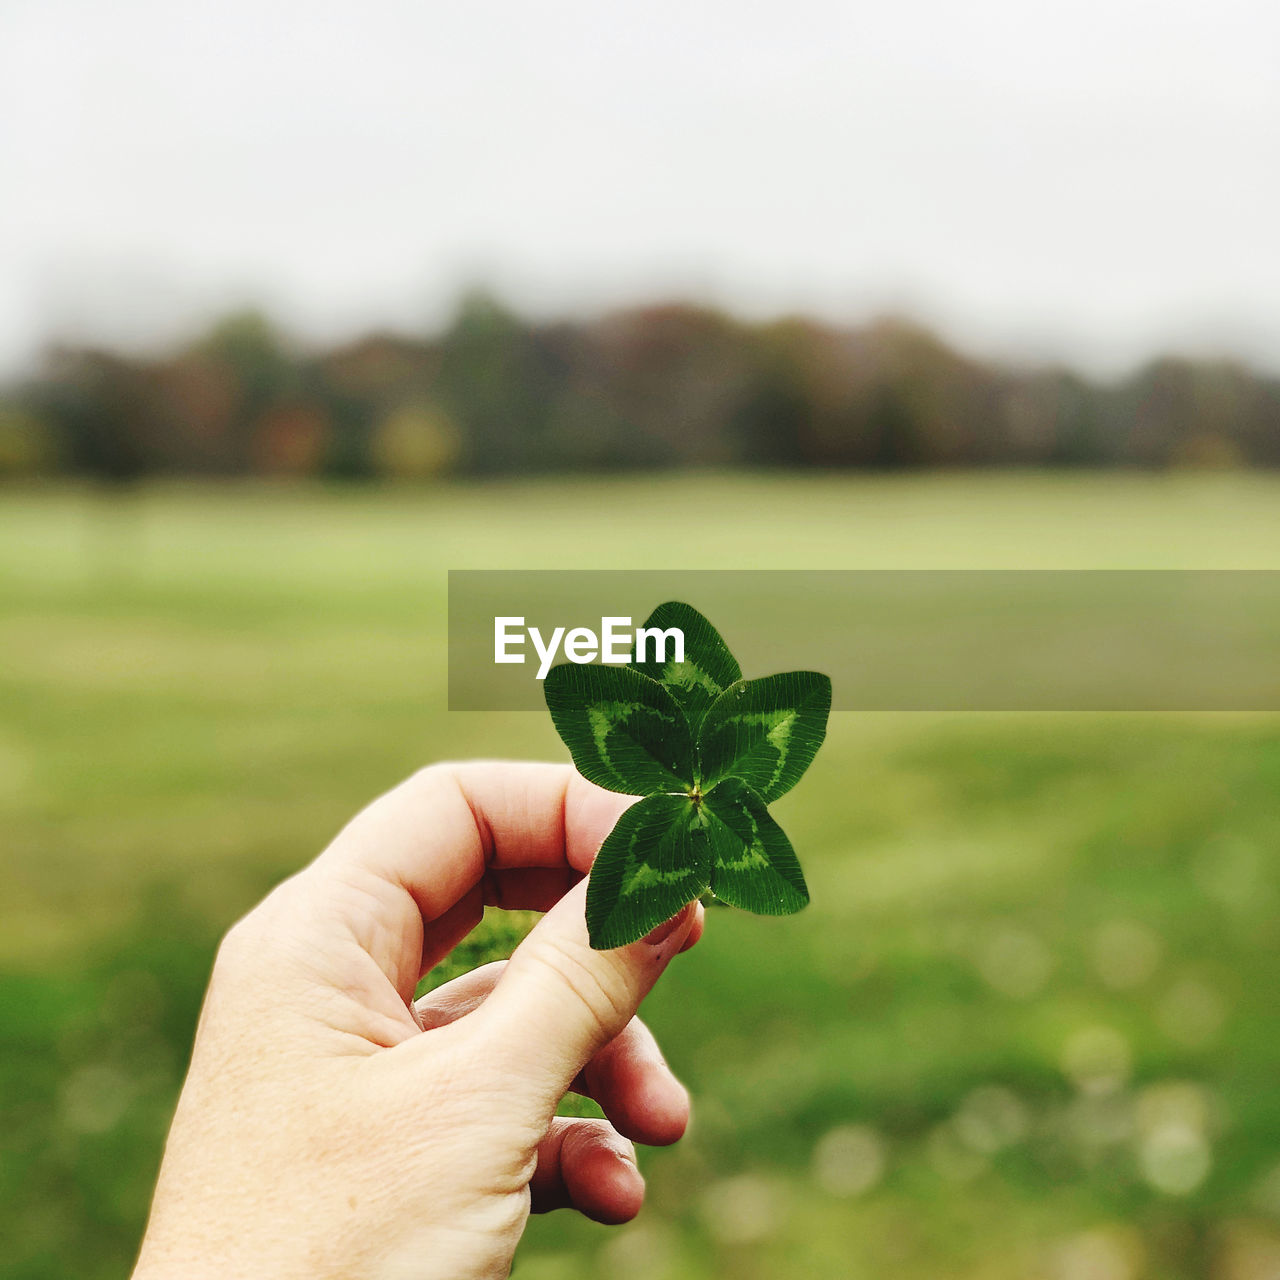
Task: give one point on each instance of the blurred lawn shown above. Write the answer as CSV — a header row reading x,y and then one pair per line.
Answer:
x,y
1026,1030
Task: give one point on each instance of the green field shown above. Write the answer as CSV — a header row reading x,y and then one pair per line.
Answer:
x,y
1027,1030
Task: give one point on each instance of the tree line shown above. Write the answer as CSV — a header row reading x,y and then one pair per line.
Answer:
x,y
648,387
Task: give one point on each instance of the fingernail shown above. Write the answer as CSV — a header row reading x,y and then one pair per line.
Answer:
x,y
667,928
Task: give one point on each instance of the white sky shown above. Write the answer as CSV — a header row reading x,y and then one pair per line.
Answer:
x,y
1096,178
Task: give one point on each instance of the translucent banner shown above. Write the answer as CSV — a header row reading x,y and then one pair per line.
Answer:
x,y
898,640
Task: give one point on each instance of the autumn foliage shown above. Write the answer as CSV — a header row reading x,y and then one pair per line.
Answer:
x,y
654,387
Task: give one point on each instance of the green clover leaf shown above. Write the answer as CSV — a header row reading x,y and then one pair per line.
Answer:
x,y
707,751
708,668
765,732
654,860
624,731
753,865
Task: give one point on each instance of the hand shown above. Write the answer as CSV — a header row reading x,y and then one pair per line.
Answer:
x,y
331,1127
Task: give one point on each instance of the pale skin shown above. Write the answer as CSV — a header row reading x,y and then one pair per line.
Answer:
x,y
330,1126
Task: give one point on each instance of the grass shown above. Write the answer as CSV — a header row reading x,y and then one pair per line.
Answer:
x,y
1026,1029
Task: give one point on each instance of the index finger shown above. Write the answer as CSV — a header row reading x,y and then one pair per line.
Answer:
x,y
436,834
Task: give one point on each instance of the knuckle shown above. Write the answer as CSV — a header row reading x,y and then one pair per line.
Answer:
x,y
427,776
434,775
238,944
259,931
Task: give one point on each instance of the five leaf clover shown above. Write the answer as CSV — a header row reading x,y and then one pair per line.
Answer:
x,y
708,751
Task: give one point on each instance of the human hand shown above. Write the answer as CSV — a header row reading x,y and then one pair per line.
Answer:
x,y
329,1127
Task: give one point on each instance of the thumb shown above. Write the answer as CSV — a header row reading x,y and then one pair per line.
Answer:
x,y
558,1002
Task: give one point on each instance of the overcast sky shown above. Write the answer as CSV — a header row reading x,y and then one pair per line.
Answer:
x,y
1096,179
